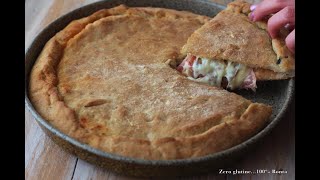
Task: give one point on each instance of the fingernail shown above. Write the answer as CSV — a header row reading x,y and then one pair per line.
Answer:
x,y
289,27
253,7
251,16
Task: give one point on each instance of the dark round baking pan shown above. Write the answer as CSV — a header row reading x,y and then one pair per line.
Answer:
x,y
275,93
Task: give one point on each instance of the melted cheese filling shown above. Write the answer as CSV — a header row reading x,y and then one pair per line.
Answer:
x,y
212,72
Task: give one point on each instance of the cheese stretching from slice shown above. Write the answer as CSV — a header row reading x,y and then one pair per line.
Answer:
x,y
229,75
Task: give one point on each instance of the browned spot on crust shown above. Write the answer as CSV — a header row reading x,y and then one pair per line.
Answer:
x,y
96,102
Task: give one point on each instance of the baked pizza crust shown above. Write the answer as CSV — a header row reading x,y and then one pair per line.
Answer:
x,y
103,80
232,36
266,75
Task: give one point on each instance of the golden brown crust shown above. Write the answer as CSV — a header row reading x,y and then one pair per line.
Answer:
x,y
103,80
43,90
264,75
232,36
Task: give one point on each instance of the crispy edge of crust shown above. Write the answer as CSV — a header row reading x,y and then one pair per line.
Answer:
x,y
265,74
215,139
169,13
45,97
43,91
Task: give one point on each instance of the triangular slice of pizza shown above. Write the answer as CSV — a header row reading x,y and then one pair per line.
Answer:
x,y
233,52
